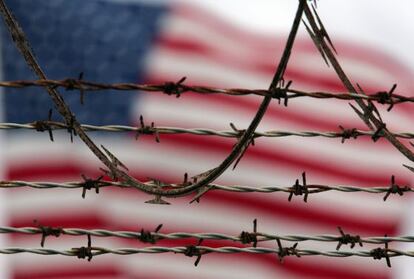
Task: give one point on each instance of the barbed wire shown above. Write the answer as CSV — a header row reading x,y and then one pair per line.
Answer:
x,y
178,88
156,236
204,249
307,189
343,133
369,114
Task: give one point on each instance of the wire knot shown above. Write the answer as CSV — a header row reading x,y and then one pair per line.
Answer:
x,y
299,190
147,130
348,133
89,184
346,239
286,251
148,237
386,97
44,125
47,231
395,189
84,252
175,88
72,84
194,250
247,238
280,92
379,253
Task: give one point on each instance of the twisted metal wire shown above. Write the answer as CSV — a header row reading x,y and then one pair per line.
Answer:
x,y
200,131
312,188
205,249
206,236
178,88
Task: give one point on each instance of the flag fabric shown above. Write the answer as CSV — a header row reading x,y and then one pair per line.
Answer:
x,y
163,41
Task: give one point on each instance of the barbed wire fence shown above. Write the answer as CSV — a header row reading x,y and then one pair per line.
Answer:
x,y
204,182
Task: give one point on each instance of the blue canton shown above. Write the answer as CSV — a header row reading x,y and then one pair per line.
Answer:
x,y
108,41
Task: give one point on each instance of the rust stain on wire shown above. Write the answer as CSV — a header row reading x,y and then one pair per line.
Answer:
x,y
381,97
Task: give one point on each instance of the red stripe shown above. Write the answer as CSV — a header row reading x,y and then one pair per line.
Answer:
x,y
79,270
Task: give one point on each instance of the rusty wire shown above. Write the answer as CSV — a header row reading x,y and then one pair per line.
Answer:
x,y
179,88
343,133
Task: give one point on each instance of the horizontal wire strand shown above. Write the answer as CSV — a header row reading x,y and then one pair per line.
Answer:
x,y
203,249
312,188
201,131
261,237
179,88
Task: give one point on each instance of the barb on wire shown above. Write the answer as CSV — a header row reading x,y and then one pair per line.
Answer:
x,y
43,125
147,130
299,190
386,97
47,231
346,239
281,91
396,189
149,237
379,253
247,237
171,88
348,133
73,84
175,88
89,184
286,251
84,252
195,250
344,133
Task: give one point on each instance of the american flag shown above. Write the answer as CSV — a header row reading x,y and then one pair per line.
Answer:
x,y
155,42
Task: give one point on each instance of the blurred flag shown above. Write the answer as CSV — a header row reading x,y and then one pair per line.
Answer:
x,y
155,42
